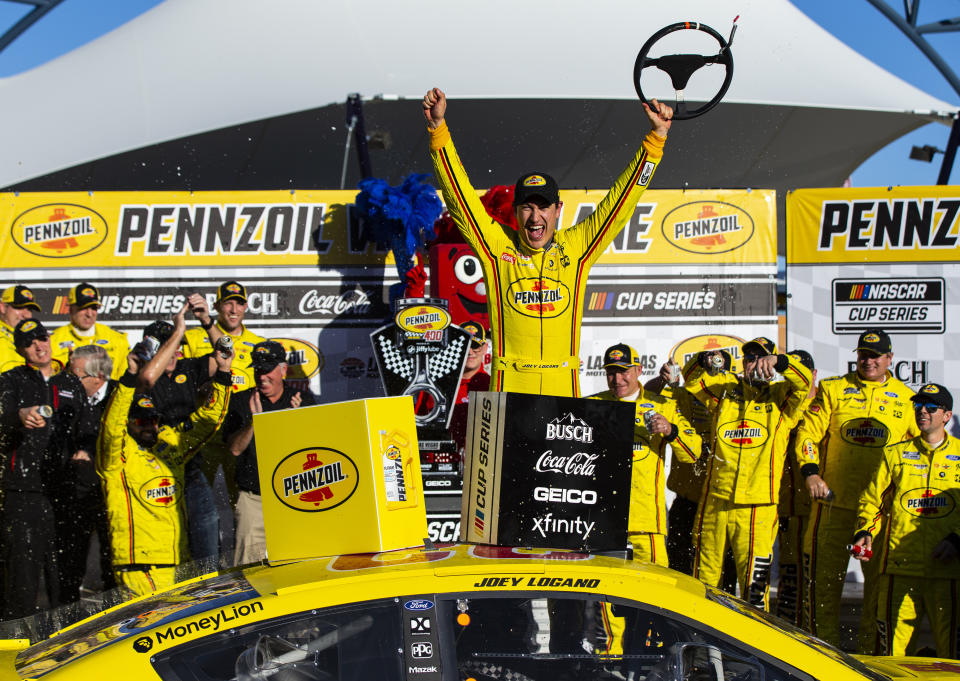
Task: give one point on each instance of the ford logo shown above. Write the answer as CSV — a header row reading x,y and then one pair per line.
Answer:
x,y
422,604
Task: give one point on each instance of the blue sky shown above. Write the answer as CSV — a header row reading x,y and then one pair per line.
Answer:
x,y
855,22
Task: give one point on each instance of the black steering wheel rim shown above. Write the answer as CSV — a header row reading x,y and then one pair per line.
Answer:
x,y
683,66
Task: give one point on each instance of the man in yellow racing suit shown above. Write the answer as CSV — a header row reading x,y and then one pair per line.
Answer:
x,y
752,420
536,277
840,445
141,468
918,484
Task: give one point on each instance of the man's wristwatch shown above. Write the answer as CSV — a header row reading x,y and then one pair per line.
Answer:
x,y
206,327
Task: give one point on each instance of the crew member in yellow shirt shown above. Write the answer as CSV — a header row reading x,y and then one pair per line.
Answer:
x,y
16,304
84,329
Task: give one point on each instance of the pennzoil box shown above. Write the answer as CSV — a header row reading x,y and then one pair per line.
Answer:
x,y
340,478
547,471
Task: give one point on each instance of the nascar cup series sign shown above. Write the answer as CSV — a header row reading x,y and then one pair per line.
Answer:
x,y
547,471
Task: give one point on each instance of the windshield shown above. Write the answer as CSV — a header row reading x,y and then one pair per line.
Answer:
x,y
725,599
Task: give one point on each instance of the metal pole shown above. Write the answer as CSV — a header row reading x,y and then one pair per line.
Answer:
x,y
355,111
951,152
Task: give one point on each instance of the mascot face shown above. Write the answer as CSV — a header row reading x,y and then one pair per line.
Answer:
x,y
455,274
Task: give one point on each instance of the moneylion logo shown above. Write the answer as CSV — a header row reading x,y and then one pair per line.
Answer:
x,y
707,227
59,230
743,433
315,479
865,432
927,503
569,427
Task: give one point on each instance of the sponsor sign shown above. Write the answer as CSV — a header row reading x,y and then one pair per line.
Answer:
x,y
547,471
708,227
59,230
913,305
688,348
315,479
420,638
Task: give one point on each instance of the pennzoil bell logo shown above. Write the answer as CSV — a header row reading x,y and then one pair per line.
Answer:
x,y
160,491
423,320
683,352
59,230
927,503
708,227
539,297
315,479
866,432
743,433
304,360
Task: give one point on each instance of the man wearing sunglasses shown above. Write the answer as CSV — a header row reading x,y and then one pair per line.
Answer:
x,y
920,556
840,445
752,416
141,464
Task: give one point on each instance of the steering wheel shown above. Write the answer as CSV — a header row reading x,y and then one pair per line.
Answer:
x,y
681,66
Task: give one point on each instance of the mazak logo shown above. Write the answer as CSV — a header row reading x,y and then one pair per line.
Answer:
x,y
569,427
160,491
708,227
59,230
543,298
743,433
580,464
315,479
927,503
865,432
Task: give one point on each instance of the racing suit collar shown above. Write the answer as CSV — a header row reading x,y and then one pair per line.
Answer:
x,y
523,247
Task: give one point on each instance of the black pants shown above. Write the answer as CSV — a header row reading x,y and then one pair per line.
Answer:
x,y
29,550
79,515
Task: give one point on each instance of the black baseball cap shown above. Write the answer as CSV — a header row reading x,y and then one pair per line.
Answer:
x,y
267,355
84,295
936,393
875,340
27,331
806,359
477,331
232,290
535,184
159,330
19,296
761,346
620,355
143,408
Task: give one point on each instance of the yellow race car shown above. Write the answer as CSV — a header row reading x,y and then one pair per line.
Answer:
x,y
447,613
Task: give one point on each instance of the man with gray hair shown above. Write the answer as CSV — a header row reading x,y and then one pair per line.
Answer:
x,y
79,506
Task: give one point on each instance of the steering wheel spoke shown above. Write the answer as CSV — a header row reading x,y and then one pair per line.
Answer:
x,y
679,67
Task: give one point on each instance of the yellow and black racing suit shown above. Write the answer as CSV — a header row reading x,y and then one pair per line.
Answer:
x,y
143,488
842,437
535,296
919,486
752,424
65,340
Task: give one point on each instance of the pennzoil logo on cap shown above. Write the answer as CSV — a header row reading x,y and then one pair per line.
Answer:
x,y
59,230
28,326
234,288
146,403
616,355
534,181
871,338
930,389
315,479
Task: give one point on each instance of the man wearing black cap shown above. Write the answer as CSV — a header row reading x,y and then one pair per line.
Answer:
x,y
141,465
175,383
919,554
16,304
474,378
270,394
84,329
753,416
840,444
39,412
536,276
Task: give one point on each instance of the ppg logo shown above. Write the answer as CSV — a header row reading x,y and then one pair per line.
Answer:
x,y
421,651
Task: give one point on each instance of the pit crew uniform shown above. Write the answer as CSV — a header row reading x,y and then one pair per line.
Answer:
x,y
920,487
752,424
9,357
844,430
67,338
143,487
535,296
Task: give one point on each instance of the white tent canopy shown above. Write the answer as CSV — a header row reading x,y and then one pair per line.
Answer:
x,y
546,83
